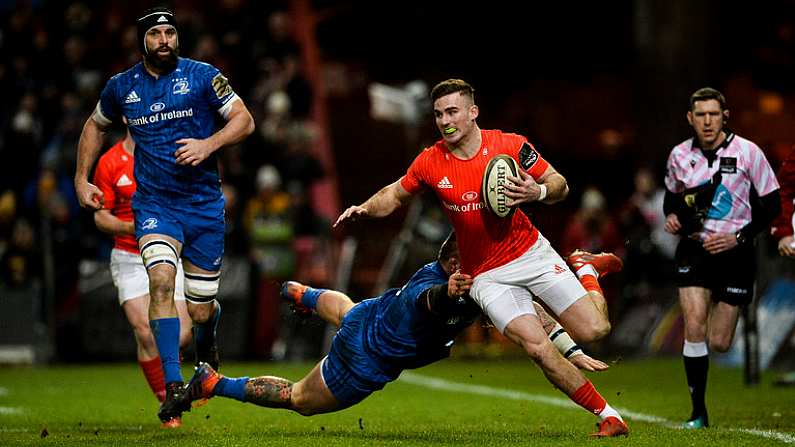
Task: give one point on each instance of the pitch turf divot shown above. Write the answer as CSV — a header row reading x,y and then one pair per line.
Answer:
x,y
483,390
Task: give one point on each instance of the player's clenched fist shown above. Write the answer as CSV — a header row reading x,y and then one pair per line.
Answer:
x,y
352,213
89,195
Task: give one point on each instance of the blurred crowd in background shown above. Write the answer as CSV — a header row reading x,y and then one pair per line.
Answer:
x,y
56,56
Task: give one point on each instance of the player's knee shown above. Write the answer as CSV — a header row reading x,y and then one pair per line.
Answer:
x,y
591,332
600,329
719,345
301,403
201,312
161,292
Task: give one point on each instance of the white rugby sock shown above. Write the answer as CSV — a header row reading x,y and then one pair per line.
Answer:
x,y
587,269
609,411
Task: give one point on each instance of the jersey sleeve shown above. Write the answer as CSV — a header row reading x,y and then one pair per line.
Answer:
x,y
672,181
528,157
103,179
424,279
218,93
413,181
108,108
762,175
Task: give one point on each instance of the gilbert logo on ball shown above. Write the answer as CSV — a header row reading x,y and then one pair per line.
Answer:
x,y
495,178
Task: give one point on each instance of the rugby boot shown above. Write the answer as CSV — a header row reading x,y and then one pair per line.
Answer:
x,y
603,263
172,407
611,427
175,422
201,385
696,423
292,292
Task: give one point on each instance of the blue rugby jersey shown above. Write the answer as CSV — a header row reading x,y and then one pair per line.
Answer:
x,y
161,111
400,336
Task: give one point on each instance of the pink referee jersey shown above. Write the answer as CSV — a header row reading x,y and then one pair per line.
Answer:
x,y
485,241
742,164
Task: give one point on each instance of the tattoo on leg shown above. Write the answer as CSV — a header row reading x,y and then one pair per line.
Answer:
x,y
269,391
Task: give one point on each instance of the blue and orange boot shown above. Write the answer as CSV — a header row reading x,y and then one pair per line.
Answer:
x,y
292,292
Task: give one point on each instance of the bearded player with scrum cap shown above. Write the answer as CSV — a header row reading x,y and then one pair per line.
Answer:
x,y
170,104
508,258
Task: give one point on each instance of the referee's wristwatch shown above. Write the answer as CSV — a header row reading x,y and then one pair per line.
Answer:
x,y
740,236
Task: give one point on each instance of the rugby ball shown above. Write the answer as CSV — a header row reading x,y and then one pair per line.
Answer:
x,y
493,187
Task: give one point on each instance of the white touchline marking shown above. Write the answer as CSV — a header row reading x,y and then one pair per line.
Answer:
x,y
10,410
483,390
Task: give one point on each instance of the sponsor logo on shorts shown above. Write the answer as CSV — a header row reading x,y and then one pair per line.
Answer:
x,y
736,290
149,224
558,269
684,269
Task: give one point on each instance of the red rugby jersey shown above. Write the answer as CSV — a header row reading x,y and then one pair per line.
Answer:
x,y
485,241
114,177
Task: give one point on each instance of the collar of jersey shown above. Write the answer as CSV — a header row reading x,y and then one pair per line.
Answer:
x,y
726,142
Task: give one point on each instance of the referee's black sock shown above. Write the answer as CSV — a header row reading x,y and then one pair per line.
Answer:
x,y
696,359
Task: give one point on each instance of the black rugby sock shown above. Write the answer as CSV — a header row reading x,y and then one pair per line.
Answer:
x,y
696,369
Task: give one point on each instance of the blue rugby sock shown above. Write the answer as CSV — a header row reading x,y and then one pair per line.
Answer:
x,y
231,387
166,332
310,297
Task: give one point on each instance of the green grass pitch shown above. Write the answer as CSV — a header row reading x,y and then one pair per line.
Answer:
x,y
453,403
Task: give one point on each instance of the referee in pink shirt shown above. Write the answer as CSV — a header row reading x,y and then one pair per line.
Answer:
x,y
714,181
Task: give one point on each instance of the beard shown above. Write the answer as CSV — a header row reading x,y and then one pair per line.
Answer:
x,y
162,63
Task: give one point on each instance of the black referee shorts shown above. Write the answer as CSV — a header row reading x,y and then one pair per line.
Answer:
x,y
729,275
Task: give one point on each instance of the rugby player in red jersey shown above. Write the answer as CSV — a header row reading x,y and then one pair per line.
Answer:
x,y
114,177
508,258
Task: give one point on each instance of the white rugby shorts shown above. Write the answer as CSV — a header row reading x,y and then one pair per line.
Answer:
x,y
507,291
130,278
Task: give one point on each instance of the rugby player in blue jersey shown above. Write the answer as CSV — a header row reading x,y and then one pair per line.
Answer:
x,y
377,339
170,104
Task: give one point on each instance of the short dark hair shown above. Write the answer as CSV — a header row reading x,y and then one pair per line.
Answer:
x,y
707,93
450,86
449,247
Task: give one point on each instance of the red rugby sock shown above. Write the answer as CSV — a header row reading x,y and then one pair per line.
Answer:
x,y
591,284
590,399
153,371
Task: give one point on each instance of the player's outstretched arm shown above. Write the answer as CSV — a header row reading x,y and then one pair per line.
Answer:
x,y
110,224
239,125
88,149
381,204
